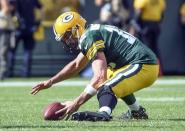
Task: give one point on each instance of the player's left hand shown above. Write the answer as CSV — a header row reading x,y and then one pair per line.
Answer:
x,y
70,108
41,86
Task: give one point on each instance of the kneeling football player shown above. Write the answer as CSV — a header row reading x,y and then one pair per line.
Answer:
x,y
121,64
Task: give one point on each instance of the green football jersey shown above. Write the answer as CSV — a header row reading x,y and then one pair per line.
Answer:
x,y
120,48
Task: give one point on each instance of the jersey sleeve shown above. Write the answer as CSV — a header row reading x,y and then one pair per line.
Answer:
x,y
91,43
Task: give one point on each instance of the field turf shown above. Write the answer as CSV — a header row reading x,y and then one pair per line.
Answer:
x,y
19,111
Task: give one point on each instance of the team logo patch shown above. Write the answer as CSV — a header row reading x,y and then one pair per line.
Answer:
x,y
67,18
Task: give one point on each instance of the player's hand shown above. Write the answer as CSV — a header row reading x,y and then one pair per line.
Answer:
x,y
41,86
70,108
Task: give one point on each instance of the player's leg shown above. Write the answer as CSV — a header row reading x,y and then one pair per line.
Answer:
x,y
107,102
135,111
122,83
129,79
131,101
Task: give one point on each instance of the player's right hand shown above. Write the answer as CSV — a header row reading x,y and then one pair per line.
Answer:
x,y
41,86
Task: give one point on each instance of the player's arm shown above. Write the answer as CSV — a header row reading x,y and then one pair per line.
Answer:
x,y
99,66
71,69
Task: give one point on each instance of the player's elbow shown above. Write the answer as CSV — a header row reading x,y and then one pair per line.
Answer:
x,y
74,67
77,66
99,79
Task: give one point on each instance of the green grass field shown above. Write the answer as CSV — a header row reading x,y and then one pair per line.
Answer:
x,y
164,101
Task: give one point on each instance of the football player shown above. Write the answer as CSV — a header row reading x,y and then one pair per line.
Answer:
x,y
121,64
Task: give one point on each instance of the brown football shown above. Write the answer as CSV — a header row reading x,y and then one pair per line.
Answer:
x,y
49,111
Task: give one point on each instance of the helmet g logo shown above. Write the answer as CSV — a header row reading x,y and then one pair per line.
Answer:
x,y
67,18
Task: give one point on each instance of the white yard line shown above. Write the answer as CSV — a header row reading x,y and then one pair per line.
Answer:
x,y
144,99
31,83
80,83
170,82
162,99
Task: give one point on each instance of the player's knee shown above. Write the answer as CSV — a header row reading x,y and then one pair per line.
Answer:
x,y
104,90
106,97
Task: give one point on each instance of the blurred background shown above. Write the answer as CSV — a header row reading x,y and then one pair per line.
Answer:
x,y
28,47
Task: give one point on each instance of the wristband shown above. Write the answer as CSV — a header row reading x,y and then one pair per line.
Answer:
x,y
90,90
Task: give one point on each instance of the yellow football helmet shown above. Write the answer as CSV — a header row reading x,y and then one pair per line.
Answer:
x,y
69,21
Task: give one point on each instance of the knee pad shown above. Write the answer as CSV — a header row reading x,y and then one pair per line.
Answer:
x,y
104,90
106,97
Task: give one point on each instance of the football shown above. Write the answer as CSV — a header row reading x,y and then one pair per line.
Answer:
x,y
49,111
